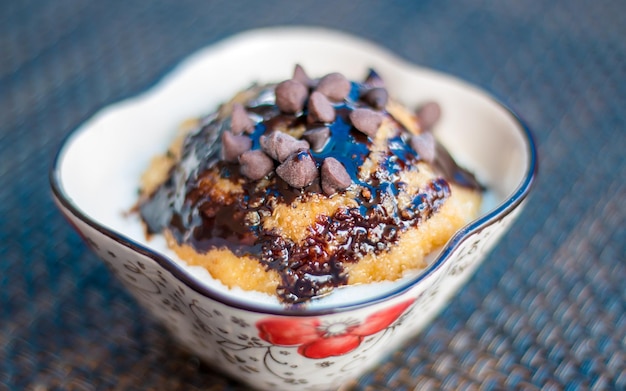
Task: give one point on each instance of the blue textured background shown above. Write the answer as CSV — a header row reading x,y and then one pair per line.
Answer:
x,y
546,310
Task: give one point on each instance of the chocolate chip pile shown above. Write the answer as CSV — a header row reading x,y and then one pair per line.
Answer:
x,y
289,157
294,153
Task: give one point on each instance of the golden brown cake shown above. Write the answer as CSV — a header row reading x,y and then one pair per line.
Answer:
x,y
296,188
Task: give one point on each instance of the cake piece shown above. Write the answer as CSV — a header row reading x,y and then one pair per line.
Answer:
x,y
296,188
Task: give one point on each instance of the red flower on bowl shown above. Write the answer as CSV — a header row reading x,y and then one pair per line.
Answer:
x,y
320,339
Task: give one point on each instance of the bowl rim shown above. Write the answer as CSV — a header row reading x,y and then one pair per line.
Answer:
x,y
179,272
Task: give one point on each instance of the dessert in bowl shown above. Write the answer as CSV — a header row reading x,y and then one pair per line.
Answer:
x,y
319,337
298,188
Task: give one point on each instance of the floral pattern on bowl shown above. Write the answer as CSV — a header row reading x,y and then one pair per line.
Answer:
x,y
318,338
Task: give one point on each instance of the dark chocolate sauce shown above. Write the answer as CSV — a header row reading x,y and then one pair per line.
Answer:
x,y
191,208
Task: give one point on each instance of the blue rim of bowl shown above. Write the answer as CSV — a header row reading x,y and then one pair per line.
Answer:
x,y
181,274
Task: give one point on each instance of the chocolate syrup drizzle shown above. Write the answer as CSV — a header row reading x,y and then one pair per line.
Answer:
x,y
195,215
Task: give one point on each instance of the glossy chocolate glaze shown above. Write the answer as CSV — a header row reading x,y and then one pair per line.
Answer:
x,y
187,206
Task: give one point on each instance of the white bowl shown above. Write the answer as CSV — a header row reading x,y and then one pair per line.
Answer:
x,y
96,174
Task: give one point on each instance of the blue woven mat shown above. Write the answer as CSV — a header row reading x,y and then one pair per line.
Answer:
x,y
546,309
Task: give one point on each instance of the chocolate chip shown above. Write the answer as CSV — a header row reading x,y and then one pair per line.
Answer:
x,y
317,137
366,121
428,115
373,79
376,97
239,120
255,164
320,108
290,96
425,146
234,145
279,145
335,177
335,86
299,170
300,75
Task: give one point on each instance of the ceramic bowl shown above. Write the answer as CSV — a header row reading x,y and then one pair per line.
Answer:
x,y
95,180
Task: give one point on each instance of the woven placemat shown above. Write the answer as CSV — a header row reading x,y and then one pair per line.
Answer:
x,y
546,309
